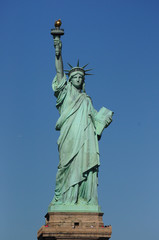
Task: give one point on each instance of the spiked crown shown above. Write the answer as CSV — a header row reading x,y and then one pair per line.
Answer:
x,y
78,68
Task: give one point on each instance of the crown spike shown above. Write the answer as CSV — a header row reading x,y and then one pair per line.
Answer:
x,y
70,65
88,70
89,74
85,65
78,63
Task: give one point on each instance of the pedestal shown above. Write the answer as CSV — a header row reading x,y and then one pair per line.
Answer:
x,y
74,225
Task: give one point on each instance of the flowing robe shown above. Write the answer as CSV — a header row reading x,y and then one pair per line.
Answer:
x,y
76,179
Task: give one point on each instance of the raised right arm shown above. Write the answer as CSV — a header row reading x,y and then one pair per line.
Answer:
x,y
58,60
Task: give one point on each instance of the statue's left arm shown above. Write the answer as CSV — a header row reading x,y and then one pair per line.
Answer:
x,y
101,119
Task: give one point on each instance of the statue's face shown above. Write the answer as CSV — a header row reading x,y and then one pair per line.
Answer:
x,y
77,81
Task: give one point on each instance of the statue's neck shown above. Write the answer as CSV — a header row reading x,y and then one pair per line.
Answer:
x,y
76,89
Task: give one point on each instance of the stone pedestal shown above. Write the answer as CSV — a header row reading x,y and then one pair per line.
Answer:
x,y
74,225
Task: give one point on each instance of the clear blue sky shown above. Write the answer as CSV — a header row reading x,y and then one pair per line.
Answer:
x,y
120,40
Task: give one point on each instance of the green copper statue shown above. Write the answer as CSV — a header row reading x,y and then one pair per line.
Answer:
x,y
80,127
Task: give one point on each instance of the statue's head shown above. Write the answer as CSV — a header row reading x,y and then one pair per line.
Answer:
x,y
77,79
77,75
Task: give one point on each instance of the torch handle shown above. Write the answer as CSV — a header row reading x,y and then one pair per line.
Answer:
x,y
57,47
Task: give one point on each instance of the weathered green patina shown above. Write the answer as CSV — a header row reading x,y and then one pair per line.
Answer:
x,y
80,127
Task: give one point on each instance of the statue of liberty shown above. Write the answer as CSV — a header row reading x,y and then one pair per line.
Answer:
x,y
80,127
